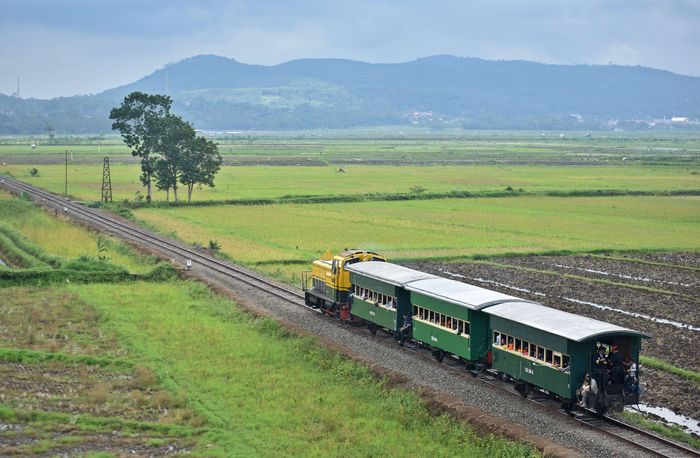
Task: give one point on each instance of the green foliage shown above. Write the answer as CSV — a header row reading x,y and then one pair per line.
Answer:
x,y
34,172
214,246
670,368
32,356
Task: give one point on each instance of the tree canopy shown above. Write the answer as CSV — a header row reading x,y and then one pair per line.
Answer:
x,y
168,146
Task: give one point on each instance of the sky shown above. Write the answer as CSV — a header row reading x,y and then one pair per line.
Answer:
x,y
69,47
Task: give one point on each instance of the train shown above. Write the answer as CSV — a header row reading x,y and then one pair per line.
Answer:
x,y
525,342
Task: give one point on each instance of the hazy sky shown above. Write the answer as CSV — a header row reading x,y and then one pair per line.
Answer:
x,y
67,47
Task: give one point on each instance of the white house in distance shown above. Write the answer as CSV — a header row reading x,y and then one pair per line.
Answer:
x,y
679,120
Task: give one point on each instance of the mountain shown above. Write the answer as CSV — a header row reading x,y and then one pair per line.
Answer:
x,y
217,93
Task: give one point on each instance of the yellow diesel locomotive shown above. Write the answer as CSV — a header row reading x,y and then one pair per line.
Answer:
x,y
328,287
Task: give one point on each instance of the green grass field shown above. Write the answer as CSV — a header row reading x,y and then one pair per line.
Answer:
x,y
62,238
437,228
84,181
207,376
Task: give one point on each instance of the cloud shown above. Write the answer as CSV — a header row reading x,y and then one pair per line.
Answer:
x,y
84,46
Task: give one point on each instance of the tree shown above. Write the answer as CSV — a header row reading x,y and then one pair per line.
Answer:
x,y
200,163
174,138
138,119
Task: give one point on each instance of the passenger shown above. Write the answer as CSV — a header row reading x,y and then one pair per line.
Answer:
x,y
627,363
406,328
588,388
617,375
631,384
616,357
390,304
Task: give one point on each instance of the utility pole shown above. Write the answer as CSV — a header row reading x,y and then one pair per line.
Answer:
x,y
65,193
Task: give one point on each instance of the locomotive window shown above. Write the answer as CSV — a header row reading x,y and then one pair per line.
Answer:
x,y
334,266
548,356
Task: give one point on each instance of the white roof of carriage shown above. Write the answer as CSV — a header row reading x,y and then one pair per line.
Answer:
x,y
456,292
387,272
557,322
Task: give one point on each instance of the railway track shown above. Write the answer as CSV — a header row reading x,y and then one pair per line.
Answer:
x,y
174,249
644,440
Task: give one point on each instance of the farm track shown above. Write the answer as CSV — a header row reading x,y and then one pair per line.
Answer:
x,y
642,440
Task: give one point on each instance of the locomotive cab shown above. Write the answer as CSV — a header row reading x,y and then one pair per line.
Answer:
x,y
330,287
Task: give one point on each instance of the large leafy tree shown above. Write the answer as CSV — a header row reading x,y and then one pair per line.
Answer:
x,y
200,163
175,136
139,119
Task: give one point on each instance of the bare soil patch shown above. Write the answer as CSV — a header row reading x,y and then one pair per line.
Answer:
x,y
670,343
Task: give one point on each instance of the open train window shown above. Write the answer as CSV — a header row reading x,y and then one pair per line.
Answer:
x,y
540,353
556,360
518,344
533,351
526,348
565,363
548,356
497,338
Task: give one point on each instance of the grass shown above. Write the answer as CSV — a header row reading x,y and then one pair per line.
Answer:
x,y
275,181
674,432
60,237
430,229
671,369
252,381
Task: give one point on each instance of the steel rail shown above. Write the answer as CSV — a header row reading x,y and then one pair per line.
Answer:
x,y
605,424
97,217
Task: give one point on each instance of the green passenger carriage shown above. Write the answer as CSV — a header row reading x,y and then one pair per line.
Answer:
x,y
448,316
378,293
552,349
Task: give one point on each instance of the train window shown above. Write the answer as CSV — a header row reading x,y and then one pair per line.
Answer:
x,y
548,356
556,360
467,328
510,342
431,316
565,363
496,339
455,324
540,353
448,322
526,348
533,351
518,344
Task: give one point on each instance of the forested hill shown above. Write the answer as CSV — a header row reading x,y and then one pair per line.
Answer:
x,y
217,93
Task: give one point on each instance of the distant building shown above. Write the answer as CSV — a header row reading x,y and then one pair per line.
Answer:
x,y
679,120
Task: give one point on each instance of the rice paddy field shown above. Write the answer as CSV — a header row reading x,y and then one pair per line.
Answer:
x,y
272,236
256,182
